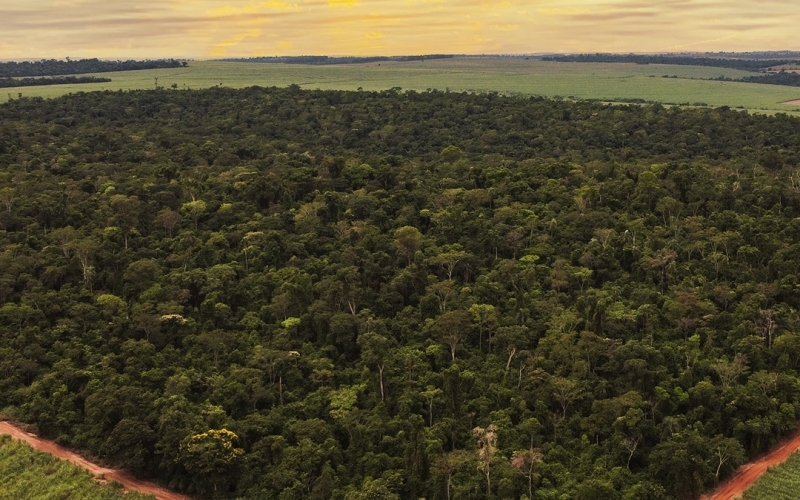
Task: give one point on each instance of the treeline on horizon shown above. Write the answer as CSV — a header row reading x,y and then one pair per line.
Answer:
x,y
756,64
53,67
58,80
326,60
788,78
278,293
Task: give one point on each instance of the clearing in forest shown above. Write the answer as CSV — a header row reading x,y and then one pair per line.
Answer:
x,y
779,483
749,473
19,482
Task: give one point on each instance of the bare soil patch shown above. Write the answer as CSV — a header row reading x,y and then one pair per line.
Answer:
x,y
750,472
122,477
796,102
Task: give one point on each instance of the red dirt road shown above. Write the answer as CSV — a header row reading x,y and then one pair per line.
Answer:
x,y
750,472
128,481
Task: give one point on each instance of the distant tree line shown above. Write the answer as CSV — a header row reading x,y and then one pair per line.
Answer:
x,y
783,78
683,60
50,67
326,60
58,80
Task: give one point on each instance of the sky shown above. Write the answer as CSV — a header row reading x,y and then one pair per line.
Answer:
x,y
203,29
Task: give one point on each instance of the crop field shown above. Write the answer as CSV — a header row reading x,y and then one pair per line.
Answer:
x,y
27,474
599,81
779,483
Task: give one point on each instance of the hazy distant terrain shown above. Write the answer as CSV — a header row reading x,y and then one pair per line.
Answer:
x,y
600,81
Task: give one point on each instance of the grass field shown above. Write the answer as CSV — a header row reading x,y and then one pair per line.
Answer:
x,y
27,474
779,483
606,82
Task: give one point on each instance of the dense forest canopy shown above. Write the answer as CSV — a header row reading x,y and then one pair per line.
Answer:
x,y
53,67
277,293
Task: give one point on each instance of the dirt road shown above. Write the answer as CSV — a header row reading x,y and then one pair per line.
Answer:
x,y
127,480
750,472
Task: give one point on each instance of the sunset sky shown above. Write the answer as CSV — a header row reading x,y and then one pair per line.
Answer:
x,y
246,28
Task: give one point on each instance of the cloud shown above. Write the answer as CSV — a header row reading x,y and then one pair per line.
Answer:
x,y
228,10
562,12
252,8
197,28
276,6
222,48
342,3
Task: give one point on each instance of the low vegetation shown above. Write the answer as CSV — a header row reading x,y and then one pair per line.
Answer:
x,y
325,60
783,77
572,81
27,474
781,482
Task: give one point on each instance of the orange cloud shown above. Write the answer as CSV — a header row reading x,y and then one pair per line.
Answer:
x,y
198,28
222,48
342,3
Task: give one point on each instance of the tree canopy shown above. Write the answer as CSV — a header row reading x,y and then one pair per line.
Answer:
x,y
278,293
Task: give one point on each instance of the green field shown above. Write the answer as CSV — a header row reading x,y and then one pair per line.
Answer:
x,y
28,474
607,82
779,483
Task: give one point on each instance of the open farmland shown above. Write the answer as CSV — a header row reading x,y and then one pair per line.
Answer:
x,y
600,81
27,474
780,483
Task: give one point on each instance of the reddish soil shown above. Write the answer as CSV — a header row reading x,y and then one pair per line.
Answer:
x,y
122,477
795,103
750,472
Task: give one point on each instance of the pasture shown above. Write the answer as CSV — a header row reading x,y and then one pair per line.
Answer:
x,y
598,81
781,482
26,473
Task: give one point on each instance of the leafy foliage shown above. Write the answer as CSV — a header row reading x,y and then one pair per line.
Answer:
x,y
400,295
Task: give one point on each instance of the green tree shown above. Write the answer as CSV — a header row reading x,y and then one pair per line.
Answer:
x,y
194,209
449,463
211,456
525,461
408,240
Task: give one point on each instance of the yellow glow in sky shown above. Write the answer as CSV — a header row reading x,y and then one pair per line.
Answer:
x,y
245,28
